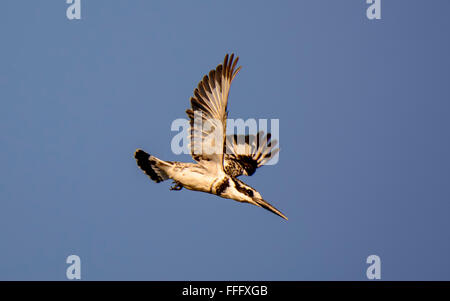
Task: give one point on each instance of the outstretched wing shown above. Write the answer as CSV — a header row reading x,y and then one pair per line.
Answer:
x,y
245,153
208,113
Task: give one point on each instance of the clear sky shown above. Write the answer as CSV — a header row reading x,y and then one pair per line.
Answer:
x,y
364,166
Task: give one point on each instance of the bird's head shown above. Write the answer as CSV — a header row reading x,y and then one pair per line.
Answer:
x,y
244,193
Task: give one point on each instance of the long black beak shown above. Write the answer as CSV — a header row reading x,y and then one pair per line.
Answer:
x,y
266,205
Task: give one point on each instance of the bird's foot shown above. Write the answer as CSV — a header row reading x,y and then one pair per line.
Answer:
x,y
176,186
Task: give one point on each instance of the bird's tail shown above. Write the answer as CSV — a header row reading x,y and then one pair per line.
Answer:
x,y
152,166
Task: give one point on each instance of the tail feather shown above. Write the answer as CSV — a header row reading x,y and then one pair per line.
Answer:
x,y
151,166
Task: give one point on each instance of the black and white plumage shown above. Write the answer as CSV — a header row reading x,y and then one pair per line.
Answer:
x,y
245,153
220,159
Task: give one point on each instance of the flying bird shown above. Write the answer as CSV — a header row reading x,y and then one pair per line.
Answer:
x,y
219,158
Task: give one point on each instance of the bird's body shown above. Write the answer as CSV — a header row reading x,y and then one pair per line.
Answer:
x,y
193,176
220,159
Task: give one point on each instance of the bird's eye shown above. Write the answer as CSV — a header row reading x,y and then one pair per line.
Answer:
x,y
250,193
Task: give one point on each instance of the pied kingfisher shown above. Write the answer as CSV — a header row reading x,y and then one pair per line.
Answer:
x,y
215,171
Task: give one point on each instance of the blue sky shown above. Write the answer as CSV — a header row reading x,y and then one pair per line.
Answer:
x,y
364,134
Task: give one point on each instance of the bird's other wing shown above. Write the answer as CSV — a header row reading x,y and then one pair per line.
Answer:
x,y
245,153
208,113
